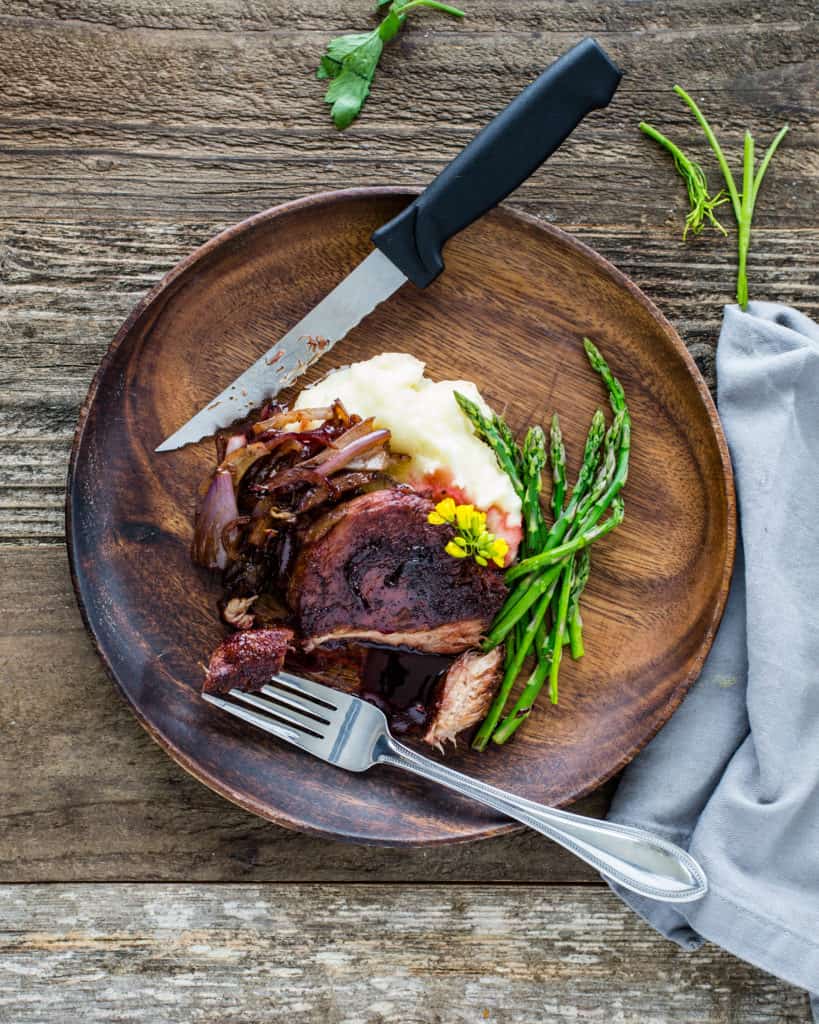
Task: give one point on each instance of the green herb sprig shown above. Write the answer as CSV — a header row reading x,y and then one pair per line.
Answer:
x,y
351,60
702,204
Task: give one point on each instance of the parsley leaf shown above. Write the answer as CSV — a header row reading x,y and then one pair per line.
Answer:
x,y
350,61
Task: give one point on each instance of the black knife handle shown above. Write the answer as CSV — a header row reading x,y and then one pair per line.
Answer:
x,y
500,157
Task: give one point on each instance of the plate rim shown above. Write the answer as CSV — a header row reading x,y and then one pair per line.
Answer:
x,y
558,235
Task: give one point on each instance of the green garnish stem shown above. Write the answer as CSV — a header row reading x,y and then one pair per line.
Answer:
x,y
456,12
715,146
742,203
350,61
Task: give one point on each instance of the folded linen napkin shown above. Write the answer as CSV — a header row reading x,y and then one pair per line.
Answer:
x,y
734,775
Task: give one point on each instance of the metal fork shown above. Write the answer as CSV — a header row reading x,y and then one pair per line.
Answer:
x,y
350,733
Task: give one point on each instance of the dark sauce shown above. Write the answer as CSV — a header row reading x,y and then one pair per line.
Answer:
x,y
402,683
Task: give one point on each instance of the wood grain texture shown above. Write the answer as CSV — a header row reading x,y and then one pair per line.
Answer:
x,y
213,108
132,132
361,955
85,794
520,295
65,287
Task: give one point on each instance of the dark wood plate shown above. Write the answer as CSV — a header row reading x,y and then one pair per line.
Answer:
x,y
509,313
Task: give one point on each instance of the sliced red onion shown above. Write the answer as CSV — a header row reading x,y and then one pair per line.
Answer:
x,y
218,511
353,433
345,455
235,443
335,444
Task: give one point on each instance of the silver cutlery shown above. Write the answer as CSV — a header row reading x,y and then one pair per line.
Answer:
x,y
349,733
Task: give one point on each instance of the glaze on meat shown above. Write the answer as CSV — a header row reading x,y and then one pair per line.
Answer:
x,y
247,660
375,570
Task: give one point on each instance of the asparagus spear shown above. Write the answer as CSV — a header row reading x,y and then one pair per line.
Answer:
x,y
533,459
560,626
587,534
523,706
494,431
594,440
581,578
617,396
529,694
512,669
588,469
558,458
582,515
506,621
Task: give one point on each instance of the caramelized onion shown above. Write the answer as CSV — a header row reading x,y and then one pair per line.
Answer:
x,y
238,462
302,416
358,430
345,455
232,535
287,479
375,462
237,612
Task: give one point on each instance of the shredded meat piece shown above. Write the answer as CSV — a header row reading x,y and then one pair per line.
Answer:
x,y
465,695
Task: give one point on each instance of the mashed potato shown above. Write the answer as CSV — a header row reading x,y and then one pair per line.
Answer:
x,y
427,424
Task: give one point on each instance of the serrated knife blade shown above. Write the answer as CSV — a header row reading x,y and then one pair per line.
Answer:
x,y
502,155
370,283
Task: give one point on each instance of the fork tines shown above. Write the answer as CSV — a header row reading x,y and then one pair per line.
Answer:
x,y
296,710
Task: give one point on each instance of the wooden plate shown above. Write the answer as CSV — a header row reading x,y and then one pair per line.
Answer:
x,y
509,313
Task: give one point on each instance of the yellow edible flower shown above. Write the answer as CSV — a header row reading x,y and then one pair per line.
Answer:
x,y
499,550
444,512
464,517
472,537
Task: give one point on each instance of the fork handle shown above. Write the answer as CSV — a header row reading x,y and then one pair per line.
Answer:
x,y
632,857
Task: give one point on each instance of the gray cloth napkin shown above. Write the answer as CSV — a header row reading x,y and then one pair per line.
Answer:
x,y
734,775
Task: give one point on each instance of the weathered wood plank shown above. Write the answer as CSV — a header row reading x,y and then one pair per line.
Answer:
x,y
85,795
116,160
129,133
360,955
179,114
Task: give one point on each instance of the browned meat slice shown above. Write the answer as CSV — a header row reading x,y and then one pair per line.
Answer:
x,y
378,572
247,660
465,695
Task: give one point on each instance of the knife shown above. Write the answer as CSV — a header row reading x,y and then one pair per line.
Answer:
x,y
500,157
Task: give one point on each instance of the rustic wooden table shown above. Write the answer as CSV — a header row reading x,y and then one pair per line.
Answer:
x,y
131,132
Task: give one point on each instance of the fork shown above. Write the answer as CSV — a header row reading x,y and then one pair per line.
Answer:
x,y
346,731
